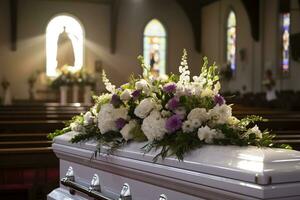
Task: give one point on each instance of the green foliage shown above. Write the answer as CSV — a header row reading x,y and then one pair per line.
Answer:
x,y
138,134
58,132
251,119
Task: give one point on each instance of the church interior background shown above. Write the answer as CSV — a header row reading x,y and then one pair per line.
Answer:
x,y
52,52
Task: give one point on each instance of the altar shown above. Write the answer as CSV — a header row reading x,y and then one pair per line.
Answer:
x,y
211,172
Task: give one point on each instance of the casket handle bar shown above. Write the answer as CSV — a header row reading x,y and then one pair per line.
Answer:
x,y
94,190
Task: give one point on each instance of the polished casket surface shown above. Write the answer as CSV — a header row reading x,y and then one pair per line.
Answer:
x,y
211,172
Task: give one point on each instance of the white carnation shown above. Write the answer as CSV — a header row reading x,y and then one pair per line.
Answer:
x,y
220,114
187,126
208,135
126,95
88,118
144,108
154,126
199,114
126,130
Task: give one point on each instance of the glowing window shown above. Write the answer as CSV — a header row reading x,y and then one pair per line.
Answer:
x,y
231,40
68,30
155,47
285,41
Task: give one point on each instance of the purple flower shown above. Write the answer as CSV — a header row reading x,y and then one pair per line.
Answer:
x,y
218,99
173,103
135,94
173,123
115,100
169,88
120,123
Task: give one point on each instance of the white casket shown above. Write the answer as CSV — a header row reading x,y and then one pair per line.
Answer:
x,y
211,172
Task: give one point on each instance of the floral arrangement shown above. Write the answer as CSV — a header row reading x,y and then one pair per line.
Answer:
x,y
67,76
173,115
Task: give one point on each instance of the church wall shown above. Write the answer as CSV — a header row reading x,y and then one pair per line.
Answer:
x,y
34,15
214,19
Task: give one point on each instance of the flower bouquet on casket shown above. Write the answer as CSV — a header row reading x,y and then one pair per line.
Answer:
x,y
173,115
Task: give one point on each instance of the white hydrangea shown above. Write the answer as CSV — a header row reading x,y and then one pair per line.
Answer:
x,y
125,95
88,118
220,114
198,113
154,126
144,108
126,130
254,130
208,135
108,115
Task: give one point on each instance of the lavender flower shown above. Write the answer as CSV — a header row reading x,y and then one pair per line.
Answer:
x,y
218,99
135,94
173,103
115,100
120,123
173,123
169,88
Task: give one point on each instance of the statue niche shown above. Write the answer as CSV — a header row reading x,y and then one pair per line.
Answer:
x,y
65,50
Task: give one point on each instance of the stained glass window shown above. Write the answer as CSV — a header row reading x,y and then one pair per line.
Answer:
x,y
155,47
64,44
231,40
285,41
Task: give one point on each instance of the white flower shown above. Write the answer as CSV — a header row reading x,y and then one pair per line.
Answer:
x,y
75,126
142,85
187,126
144,108
126,130
208,135
254,130
196,123
154,126
88,118
166,113
198,113
233,120
220,114
207,93
108,85
217,88
108,115
126,95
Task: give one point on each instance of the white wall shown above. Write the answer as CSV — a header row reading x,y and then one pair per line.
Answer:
x,y
34,15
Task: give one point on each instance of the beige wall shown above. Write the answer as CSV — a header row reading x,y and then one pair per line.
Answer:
x,y
34,15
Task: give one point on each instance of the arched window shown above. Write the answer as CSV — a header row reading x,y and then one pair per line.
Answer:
x,y
285,38
64,44
231,40
155,47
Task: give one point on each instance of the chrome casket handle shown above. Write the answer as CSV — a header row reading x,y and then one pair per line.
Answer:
x,y
163,197
125,192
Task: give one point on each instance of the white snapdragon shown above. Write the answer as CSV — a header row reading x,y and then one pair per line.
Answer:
x,y
126,130
154,126
254,130
108,85
208,135
125,95
108,115
220,114
144,108
198,113
88,118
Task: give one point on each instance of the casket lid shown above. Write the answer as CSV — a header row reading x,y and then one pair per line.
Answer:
x,y
262,166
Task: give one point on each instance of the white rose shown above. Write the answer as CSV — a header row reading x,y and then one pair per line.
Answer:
x,y
126,130
88,118
198,113
154,126
220,114
208,135
144,108
126,95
